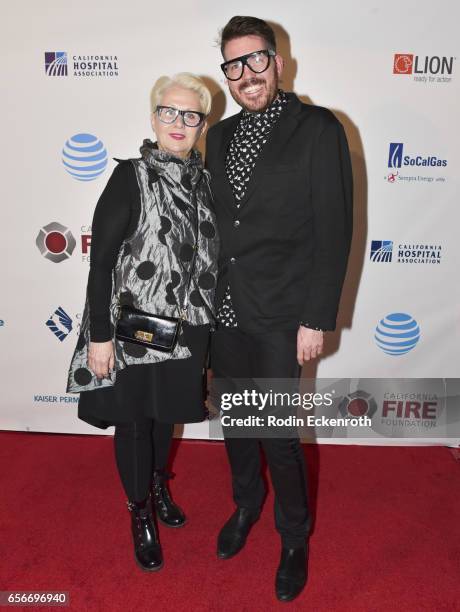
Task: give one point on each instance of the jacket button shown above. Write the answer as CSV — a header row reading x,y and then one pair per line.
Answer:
x,y
232,260
236,223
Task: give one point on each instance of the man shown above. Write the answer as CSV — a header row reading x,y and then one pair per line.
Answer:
x,y
282,185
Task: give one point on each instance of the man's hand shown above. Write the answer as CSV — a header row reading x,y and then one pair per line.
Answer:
x,y
101,358
309,344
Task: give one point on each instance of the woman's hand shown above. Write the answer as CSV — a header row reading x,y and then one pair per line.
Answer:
x,y
101,358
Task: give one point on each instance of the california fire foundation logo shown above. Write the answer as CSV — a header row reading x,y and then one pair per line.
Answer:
x,y
358,404
55,242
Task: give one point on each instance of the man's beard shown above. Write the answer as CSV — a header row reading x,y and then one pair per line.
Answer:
x,y
259,104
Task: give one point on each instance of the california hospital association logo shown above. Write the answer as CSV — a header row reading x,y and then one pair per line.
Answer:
x,y
56,63
405,252
381,250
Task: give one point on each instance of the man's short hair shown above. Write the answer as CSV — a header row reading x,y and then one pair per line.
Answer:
x,y
239,26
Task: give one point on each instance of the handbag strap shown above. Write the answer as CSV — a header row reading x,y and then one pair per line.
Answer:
x,y
183,310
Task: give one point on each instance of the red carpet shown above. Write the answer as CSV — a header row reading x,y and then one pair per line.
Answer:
x,y
386,535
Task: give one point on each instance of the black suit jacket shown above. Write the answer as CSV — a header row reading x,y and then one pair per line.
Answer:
x,y
284,251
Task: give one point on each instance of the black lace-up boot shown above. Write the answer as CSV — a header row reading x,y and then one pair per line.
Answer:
x,y
147,549
167,511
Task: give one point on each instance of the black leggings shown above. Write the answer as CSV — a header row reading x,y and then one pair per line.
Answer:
x,y
141,447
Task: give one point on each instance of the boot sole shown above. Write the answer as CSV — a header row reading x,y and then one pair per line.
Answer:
x,y
224,556
172,526
291,598
148,569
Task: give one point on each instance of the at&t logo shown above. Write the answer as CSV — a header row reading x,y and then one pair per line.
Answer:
x,y
397,334
84,157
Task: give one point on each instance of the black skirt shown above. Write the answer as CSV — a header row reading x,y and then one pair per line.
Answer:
x,y
171,391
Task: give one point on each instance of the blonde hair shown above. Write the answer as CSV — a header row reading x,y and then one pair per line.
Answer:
x,y
186,80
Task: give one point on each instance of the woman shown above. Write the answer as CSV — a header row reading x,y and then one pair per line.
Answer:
x,y
154,248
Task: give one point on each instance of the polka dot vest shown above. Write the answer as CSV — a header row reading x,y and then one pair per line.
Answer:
x,y
153,264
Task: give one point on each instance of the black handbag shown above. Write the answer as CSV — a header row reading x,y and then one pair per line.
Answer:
x,y
154,331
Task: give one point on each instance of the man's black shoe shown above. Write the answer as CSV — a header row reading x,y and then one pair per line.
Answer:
x,y
291,576
233,534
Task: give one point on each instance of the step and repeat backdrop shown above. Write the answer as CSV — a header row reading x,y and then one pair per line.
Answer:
x,y
76,93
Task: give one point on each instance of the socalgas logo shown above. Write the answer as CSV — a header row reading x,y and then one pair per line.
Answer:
x,y
382,251
81,65
399,159
55,242
396,158
397,333
424,68
84,157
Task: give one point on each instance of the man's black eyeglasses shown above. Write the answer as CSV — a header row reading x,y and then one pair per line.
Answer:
x,y
257,61
168,114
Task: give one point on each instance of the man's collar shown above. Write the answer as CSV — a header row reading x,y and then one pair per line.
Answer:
x,y
279,99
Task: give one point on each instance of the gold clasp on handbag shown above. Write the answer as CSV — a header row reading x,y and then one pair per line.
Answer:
x,y
143,335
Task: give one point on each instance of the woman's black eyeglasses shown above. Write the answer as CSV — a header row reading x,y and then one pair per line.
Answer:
x,y
168,114
257,61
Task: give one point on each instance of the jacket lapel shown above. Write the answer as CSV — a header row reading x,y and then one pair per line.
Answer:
x,y
278,138
220,179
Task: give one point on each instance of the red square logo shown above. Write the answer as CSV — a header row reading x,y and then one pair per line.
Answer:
x,y
403,63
